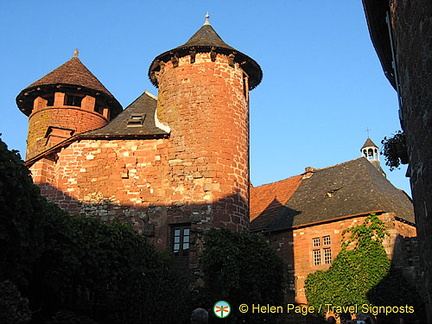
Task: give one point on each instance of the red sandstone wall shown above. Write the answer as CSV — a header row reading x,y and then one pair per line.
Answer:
x,y
126,179
297,250
205,106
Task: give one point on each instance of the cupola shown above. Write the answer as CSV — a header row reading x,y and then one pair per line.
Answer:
x,y
370,150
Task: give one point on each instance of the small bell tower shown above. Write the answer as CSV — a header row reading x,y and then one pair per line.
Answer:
x,y
371,152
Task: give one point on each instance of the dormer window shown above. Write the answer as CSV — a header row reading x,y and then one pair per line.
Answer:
x,y
136,120
71,100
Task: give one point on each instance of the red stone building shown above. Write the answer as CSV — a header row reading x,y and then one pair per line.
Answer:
x,y
173,165
177,164
303,217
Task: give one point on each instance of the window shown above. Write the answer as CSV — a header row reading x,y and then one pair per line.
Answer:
x,y
181,241
71,100
327,256
317,257
321,256
135,120
50,99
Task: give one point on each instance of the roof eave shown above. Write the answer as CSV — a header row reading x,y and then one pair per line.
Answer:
x,y
83,136
375,11
25,98
249,65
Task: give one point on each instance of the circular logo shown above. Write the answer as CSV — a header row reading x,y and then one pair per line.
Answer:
x,y
221,309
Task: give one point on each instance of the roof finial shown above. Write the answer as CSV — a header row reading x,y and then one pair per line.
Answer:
x,y
368,132
207,16
76,52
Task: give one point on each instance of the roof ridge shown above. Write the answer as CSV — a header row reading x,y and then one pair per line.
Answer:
x,y
336,165
271,183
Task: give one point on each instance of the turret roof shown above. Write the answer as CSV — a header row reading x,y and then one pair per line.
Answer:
x,y
369,143
203,41
73,74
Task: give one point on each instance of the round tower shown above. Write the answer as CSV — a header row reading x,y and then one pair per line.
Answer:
x,y
67,101
203,97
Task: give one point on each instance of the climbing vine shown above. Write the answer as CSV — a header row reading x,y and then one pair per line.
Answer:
x,y
360,265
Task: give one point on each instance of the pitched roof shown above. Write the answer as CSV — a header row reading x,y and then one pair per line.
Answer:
x,y
145,106
203,41
351,188
74,74
266,200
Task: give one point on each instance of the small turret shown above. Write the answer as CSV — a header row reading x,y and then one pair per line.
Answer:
x,y
371,152
67,101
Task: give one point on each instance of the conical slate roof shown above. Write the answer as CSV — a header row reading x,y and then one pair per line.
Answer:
x,y
72,74
368,143
205,36
203,41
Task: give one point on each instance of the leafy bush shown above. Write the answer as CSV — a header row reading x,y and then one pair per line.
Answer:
x,y
78,265
241,268
14,309
395,150
21,235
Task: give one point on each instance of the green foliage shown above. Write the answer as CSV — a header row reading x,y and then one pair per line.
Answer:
x,y
65,316
14,309
241,268
80,266
395,150
21,236
361,264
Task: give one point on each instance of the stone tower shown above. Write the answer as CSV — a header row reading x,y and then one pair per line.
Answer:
x,y
203,97
67,101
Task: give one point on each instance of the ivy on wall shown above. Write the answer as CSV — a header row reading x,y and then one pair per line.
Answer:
x,y
362,274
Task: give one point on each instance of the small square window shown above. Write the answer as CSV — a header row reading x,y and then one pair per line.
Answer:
x,y
317,257
316,241
326,240
327,256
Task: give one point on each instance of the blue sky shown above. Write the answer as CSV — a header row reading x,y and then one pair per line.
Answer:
x,y
323,85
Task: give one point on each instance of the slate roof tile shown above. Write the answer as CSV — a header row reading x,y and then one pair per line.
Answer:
x,y
350,188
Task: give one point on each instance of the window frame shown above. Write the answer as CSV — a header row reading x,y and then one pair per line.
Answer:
x,y
182,240
316,255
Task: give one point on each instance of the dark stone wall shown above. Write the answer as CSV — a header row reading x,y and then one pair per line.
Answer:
x,y
412,29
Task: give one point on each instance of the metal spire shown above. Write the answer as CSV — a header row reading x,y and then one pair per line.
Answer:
x,y
207,16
